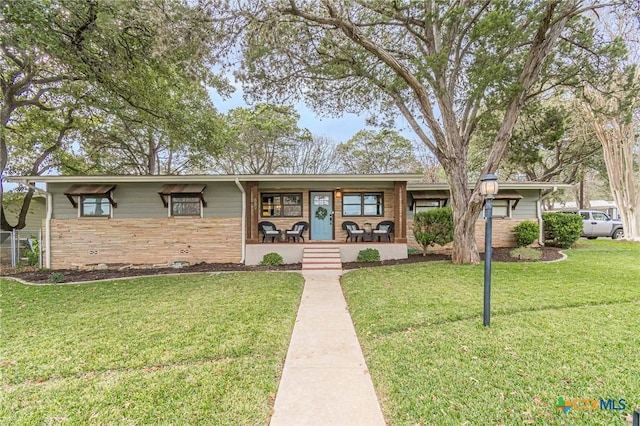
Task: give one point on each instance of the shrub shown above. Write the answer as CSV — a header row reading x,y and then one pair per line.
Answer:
x,y
561,229
526,253
272,259
32,252
526,233
433,227
56,277
369,255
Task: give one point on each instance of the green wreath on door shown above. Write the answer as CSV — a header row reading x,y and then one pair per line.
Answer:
x,y
321,213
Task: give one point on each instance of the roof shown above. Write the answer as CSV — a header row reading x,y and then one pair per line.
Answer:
x,y
413,180
443,186
384,177
591,204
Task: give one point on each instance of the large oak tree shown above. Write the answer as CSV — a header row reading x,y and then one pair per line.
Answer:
x,y
75,67
441,65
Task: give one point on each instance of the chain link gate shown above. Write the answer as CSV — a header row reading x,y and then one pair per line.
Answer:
x,y
21,247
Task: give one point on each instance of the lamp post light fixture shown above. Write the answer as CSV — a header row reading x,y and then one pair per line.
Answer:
x,y
489,190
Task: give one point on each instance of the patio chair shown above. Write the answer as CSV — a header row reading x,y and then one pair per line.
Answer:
x,y
269,230
353,231
383,231
297,231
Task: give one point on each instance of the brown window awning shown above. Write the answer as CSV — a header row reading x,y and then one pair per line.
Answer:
x,y
182,189
509,195
429,195
96,190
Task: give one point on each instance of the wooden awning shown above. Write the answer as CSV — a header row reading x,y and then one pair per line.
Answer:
x,y
509,195
429,195
182,189
80,190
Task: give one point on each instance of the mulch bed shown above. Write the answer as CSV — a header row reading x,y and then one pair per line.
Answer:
x,y
72,275
497,255
76,275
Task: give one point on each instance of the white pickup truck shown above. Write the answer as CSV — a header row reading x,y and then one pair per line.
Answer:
x,y
599,224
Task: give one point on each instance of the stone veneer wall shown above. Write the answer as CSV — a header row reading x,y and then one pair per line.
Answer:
x,y
502,234
81,242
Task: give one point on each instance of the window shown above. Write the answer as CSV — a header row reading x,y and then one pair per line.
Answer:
x,y
504,203
183,199
95,206
185,205
501,208
426,205
282,205
599,216
92,200
363,204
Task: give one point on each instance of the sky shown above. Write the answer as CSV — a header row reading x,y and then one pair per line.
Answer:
x,y
338,129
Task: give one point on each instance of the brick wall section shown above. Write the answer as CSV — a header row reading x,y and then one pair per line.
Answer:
x,y
80,242
502,234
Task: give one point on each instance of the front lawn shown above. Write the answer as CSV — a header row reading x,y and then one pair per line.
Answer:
x,y
566,329
197,349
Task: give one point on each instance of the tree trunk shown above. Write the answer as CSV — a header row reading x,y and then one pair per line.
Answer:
x,y
465,248
630,220
619,146
466,206
22,217
151,153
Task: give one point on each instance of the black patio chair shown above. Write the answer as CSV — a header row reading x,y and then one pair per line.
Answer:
x,y
269,230
383,231
296,232
353,231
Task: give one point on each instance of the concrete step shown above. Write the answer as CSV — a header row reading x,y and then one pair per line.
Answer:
x,y
321,258
322,267
327,255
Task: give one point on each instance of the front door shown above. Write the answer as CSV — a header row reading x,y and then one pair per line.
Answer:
x,y
321,216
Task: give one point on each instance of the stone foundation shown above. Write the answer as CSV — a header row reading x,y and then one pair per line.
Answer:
x,y
76,243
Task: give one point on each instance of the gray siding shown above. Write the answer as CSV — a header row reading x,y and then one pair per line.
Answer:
x,y
223,200
526,208
141,200
62,208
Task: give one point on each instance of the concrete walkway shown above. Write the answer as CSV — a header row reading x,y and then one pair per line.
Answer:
x,y
325,380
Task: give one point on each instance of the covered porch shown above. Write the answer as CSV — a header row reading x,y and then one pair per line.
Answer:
x,y
293,252
328,205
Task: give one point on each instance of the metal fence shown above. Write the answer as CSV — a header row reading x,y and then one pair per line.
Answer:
x,y
21,247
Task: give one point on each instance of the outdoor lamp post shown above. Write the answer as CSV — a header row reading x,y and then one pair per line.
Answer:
x,y
488,189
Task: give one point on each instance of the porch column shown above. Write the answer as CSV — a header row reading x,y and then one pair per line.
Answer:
x,y
253,212
400,211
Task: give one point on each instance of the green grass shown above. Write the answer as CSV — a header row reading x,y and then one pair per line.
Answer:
x,y
566,329
197,349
